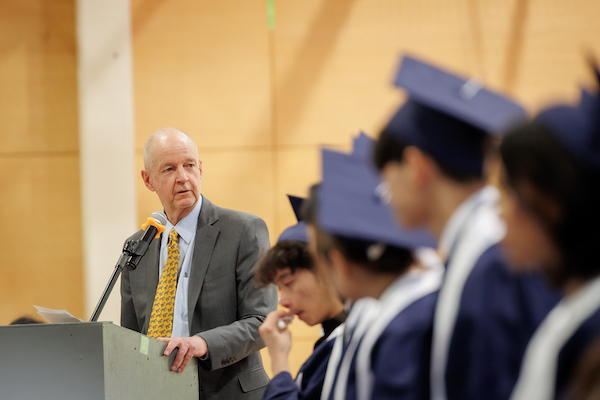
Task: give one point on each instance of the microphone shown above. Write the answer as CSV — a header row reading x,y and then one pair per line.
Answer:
x,y
133,251
154,226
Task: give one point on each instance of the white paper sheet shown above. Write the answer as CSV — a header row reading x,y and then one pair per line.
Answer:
x,y
56,316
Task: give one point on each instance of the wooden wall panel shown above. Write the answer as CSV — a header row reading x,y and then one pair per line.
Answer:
x,y
297,168
39,162
240,179
557,36
41,256
38,106
335,61
202,66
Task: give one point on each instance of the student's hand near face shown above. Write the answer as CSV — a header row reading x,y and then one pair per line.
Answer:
x,y
278,341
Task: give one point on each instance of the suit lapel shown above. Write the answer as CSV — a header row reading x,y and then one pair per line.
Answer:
x,y
150,268
206,238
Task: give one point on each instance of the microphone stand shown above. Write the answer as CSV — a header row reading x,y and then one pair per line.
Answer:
x,y
132,253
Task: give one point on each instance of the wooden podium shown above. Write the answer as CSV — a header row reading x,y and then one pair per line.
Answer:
x,y
89,360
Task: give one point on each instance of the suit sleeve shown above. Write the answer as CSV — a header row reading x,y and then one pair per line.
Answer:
x,y
128,317
231,343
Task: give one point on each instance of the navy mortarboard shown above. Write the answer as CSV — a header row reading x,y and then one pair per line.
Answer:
x,y
363,146
349,205
578,128
298,231
296,203
446,115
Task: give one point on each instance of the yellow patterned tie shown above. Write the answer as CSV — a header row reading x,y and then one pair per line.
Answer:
x,y
161,319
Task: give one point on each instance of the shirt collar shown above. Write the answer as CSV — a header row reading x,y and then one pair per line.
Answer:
x,y
186,227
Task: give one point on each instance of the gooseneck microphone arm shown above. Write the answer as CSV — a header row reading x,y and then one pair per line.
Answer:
x,y
133,251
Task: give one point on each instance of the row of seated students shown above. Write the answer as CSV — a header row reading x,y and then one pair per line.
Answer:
x,y
430,283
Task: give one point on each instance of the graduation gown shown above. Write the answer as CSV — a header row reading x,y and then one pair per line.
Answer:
x,y
392,357
559,344
361,315
485,313
399,361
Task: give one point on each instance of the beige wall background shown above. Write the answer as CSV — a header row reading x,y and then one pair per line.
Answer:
x,y
259,102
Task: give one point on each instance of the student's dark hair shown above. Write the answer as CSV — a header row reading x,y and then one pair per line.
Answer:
x,y
25,321
532,155
388,148
390,259
292,254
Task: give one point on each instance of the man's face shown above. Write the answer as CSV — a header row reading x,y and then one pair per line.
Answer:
x,y
304,295
176,174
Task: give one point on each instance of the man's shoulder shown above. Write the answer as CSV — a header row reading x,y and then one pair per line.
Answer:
x,y
232,216
237,215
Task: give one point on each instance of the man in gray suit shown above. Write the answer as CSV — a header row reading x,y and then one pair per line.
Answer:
x,y
218,307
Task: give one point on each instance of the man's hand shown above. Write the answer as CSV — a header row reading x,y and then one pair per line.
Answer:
x,y
278,341
188,347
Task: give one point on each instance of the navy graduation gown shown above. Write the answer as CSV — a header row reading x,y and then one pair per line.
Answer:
x,y
498,313
401,356
312,372
573,352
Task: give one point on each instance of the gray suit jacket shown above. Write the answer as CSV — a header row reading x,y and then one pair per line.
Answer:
x,y
225,306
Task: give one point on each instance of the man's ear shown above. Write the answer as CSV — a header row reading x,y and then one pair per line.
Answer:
x,y
200,168
421,166
146,179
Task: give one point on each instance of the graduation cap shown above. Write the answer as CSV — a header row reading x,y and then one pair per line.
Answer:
x,y
298,231
577,127
446,115
363,146
349,205
296,203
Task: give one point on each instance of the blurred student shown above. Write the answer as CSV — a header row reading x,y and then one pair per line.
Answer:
x,y
432,155
306,293
551,198
384,352
25,320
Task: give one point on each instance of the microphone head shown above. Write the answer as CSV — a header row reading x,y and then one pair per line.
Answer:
x,y
158,220
160,217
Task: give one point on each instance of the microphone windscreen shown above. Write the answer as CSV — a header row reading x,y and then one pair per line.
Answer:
x,y
159,217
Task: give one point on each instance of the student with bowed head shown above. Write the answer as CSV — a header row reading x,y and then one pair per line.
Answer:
x,y
384,351
433,154
306,293
551,204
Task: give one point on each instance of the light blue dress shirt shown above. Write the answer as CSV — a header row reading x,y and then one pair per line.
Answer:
x,y
186,228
